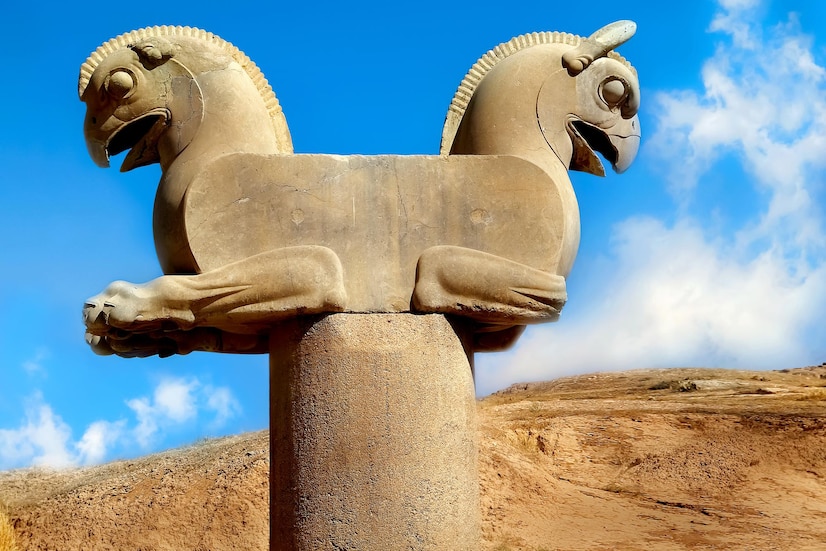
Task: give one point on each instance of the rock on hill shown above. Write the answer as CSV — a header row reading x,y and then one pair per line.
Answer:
x,y
649,459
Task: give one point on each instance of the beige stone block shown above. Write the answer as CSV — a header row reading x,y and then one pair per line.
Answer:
x,y
377,214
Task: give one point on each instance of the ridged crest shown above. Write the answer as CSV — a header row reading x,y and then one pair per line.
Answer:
x,y
133,37
461,99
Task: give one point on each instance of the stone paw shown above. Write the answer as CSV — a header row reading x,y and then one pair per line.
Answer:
x,y
126,308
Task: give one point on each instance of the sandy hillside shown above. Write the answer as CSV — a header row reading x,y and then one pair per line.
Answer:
x,y
648,460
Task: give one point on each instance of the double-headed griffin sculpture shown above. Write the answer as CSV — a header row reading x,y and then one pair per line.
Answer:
x,y
250,234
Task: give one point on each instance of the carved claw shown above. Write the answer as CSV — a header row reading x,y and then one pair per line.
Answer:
x,y
132,346
164,344
99,344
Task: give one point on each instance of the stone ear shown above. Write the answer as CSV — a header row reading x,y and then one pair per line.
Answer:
x,y
154,52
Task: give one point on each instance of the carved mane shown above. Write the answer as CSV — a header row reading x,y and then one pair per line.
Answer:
x,y
487,62
131,38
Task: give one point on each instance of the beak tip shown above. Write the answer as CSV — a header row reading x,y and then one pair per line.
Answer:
x,y
99,156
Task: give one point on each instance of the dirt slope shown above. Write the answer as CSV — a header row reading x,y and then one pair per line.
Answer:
x,y
207,497
653,459
712,460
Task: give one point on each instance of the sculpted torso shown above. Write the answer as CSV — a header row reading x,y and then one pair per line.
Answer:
x,y
377,214
251,234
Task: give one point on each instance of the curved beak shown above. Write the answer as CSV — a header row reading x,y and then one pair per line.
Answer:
x,y
625,138
618,143
97,151
139,136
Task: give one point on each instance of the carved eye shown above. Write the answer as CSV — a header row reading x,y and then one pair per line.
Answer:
x,y
120,84
613,92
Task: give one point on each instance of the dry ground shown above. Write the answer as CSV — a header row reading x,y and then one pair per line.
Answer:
x,y
651,460
659,460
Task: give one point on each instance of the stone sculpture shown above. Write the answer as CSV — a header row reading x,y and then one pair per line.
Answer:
x,y
251,234
370,280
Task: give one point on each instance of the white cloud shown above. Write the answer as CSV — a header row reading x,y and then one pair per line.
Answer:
x,y
739,4
45,440
34,365
732,20
223,403
685,292
174,399
147,422
177,402
674,298
98,439
767,106
173,403
42,439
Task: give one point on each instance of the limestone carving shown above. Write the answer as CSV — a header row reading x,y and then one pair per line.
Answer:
x,y
250,234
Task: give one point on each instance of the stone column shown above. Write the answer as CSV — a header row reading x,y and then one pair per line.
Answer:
x,y
373,435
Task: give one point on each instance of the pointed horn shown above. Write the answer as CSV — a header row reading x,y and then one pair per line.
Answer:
x,y
614,34
598,45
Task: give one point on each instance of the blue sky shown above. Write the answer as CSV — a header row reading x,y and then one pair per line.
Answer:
x,y
709,251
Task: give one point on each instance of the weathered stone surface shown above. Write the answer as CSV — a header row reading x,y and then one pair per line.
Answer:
x,y
373,423
377,214
250,234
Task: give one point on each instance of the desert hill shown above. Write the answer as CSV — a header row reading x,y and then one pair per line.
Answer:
x,y
650,459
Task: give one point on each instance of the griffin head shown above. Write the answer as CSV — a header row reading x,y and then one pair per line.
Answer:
x,y
553,90
138,98
607,96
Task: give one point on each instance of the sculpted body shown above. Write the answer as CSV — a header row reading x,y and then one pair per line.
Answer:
x,y
250,234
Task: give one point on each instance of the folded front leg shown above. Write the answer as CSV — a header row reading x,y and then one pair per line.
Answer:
x,y
486,288
242,297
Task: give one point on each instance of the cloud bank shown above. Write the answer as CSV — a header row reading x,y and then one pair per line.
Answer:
x,y
44,440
